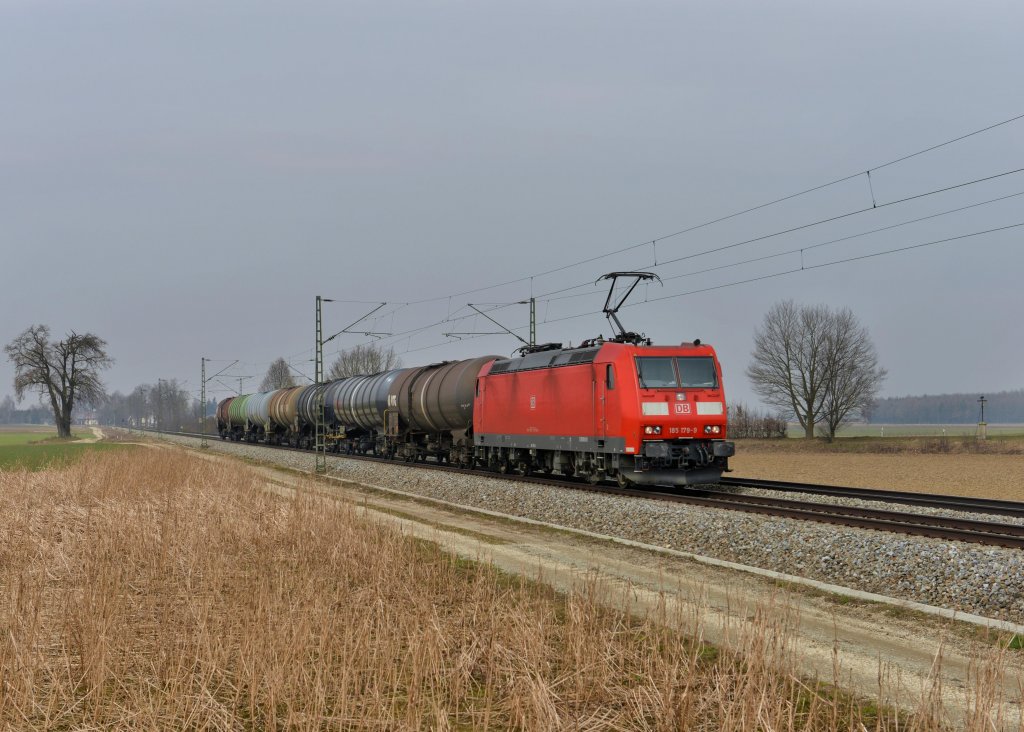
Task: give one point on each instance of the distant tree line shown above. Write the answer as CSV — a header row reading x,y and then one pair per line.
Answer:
x,y
164,405
746,423
10,414
1000,407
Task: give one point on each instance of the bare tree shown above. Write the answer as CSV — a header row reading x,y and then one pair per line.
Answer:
x,y
369,359
279,376
170,404
788,366
852,374
814,364
138,406
66,371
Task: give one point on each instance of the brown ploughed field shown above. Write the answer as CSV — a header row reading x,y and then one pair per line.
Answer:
x,y
954,467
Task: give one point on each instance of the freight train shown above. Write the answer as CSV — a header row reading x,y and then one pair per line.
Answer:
x,y
620,410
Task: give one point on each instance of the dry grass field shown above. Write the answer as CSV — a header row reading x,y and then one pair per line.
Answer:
x,y
155,590
995,470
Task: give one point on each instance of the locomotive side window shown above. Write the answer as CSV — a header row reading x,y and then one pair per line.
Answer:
x,y
697,372
609,376
656,373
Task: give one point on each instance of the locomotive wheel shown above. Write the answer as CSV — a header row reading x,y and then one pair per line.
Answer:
x,y
504,467
594,478
622,480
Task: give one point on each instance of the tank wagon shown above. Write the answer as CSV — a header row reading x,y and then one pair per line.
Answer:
x,y
634,413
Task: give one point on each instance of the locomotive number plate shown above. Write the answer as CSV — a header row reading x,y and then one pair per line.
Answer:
x,y
682,430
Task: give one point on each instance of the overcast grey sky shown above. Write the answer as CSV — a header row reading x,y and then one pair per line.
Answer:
x,y
182,178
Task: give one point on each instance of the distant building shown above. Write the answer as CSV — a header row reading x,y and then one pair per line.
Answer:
x,y
89,419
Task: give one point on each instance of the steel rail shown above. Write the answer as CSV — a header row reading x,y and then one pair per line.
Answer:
x,y
908,523
931,500
972,525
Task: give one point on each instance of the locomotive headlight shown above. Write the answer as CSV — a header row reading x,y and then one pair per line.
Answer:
x,y
649,430
712,429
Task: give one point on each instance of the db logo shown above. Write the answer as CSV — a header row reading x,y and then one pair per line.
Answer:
x,y
682,408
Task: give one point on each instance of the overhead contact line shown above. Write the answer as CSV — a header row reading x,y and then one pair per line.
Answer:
x,y
646,242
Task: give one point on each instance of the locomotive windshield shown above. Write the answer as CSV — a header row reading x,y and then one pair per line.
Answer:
x,y
695,372
656,373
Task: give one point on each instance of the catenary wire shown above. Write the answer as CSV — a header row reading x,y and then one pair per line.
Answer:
x,y
798,249
801,227
727,217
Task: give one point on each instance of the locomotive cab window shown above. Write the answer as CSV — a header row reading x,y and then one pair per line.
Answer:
x,y
690,372
697,372
656,373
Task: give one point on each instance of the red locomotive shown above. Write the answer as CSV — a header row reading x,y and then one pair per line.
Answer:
x,y
651,415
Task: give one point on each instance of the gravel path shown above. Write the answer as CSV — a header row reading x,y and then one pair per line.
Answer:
x,y
983,580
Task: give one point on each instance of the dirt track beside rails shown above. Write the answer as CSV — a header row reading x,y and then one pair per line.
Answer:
x,y
985,476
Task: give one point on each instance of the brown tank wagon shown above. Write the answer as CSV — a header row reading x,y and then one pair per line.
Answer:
x,y
430,411
283,408
222,413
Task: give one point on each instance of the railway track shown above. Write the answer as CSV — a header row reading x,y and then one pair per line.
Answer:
x,y
992,533
929,500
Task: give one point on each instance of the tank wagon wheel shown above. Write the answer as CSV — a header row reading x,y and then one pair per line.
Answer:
x,y
504,467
